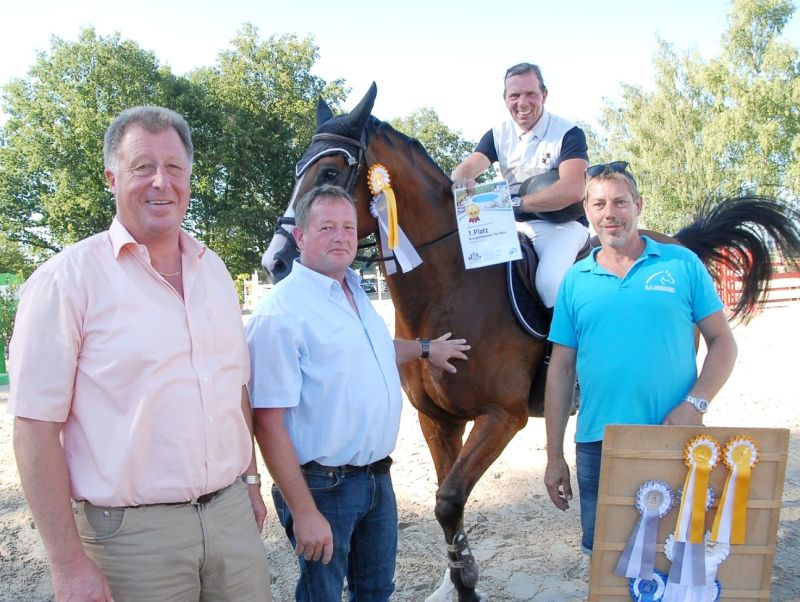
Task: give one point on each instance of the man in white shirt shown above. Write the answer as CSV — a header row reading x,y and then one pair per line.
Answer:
x,y
326,393
534,142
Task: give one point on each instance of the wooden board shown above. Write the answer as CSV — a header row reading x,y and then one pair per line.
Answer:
x,y
634,454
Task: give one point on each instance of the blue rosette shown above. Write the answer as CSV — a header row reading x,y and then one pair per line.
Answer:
x,y
649,590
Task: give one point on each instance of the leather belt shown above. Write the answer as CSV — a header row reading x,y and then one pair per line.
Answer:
x,y
378,467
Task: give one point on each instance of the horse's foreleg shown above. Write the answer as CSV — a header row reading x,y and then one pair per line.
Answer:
x,y
489,436
444,439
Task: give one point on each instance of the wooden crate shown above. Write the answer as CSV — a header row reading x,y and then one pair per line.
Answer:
x,y
634,454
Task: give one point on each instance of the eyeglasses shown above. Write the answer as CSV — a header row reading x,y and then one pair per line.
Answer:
x,y
616,166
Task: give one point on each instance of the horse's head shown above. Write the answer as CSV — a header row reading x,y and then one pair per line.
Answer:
x,y
336,156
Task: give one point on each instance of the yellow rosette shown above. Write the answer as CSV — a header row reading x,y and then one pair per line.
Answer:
x,y
688,568
701,455
380,182
740,455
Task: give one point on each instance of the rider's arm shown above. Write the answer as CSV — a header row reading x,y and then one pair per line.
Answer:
x,y
470,168
562,193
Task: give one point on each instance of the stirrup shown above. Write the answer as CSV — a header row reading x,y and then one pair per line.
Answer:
x,y
463,561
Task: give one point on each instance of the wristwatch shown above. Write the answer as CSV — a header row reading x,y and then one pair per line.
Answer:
x,y
700,404
426,348
252,479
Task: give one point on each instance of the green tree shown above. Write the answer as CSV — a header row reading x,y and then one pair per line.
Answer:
x,y
251,114
256,113
709,128
445,146
52,188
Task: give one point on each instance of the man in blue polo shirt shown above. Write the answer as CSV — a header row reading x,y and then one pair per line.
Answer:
x,y
531,143
625,317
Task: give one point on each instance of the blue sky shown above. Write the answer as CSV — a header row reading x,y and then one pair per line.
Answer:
x,y
448,55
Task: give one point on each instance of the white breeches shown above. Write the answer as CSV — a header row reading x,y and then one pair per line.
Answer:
x,y
556,245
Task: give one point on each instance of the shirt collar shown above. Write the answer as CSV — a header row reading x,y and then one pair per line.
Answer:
x,y
590,263
120,237
324,284
538,130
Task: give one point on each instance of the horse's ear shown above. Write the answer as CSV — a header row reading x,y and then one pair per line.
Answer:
x,y
357,118
324,112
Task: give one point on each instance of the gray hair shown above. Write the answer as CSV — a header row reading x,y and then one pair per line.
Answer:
x,y
155,120
522,69
624,176
302,209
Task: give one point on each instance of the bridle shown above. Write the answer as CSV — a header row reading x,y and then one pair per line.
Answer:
x,y
355,161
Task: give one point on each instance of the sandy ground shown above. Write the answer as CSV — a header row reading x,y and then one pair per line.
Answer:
x,y
527,549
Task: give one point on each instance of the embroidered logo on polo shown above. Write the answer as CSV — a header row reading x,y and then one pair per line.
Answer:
x,y
660,281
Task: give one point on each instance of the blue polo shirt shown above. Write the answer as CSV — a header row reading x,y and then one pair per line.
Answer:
x,y
634,336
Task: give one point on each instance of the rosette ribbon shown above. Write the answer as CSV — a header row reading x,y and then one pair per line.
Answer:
x,y
380,182
650,589
653,501
383,208
740,455
714,554
688,565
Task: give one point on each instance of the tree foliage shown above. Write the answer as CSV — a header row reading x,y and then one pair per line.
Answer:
x,y
445,146
52,188
728,125
251,115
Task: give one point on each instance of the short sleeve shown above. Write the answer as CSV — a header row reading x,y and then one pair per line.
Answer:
x,y
573,145
275,374
44,349
562,329
486,147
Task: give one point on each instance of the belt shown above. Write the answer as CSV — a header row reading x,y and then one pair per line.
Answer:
x,y
378,467
200,500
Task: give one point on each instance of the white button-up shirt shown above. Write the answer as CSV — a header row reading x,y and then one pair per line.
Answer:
x,y
334,370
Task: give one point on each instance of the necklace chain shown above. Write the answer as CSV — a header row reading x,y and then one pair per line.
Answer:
x,y
169,274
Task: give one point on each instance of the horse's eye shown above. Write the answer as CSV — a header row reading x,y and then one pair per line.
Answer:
x,y
329,174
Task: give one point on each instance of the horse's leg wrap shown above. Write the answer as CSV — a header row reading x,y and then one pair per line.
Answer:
x,y
460,558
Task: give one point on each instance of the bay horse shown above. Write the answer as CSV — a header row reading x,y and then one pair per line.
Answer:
x,y
495,385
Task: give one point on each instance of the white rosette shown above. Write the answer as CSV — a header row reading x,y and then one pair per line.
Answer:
x,y
715,553
654,499
405,254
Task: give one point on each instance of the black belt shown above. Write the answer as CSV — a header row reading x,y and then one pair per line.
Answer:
x,y
378,467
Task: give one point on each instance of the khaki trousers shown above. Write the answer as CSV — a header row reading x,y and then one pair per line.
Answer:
x,y
179,553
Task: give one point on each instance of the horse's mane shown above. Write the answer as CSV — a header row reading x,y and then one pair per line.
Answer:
x,y
411,146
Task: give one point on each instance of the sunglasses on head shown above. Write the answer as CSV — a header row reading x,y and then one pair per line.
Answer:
x,y
616,166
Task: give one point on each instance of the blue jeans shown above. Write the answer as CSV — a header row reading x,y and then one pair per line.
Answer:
x,y
587,458
362,512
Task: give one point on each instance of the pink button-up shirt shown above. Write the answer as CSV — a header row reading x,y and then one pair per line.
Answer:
x,y
148,385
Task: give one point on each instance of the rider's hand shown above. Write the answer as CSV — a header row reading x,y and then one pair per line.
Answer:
x,y
467,183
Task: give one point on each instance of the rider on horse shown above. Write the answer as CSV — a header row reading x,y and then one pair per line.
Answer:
x,y
535,142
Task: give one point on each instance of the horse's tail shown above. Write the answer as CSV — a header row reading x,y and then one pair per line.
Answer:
x,y
735,232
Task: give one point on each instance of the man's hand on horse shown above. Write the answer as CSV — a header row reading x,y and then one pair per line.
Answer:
x,y
445,349
556,480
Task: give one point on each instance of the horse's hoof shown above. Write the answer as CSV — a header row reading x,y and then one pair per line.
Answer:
x,y
446,592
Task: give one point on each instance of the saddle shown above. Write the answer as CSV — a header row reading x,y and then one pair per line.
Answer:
x,y
531,314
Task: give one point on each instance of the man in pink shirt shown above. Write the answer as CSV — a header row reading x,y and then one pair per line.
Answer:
x,y
128,365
